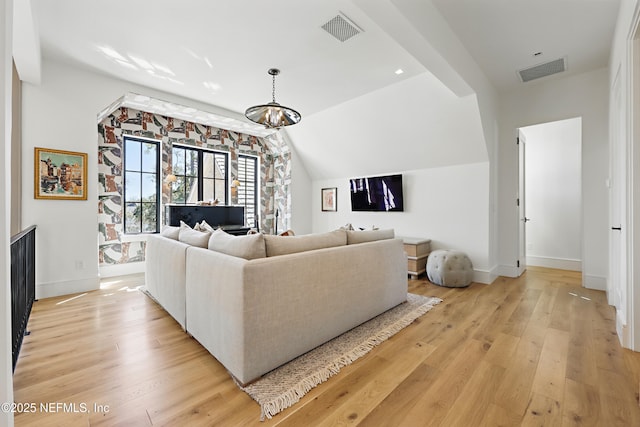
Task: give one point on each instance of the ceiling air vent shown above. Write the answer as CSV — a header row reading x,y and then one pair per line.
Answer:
x,y
543,70
342,27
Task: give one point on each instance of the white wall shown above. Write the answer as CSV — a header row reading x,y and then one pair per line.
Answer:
x,y
6,379
584,95
553,200
67,230
449,205
300,191
412,124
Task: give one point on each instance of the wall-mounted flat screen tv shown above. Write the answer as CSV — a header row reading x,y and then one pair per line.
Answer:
x,y
377,193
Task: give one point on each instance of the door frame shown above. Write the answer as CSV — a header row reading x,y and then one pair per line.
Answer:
x,y
631,339
522,224
617,289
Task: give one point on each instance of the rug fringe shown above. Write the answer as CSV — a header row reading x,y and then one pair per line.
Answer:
x,y
270,408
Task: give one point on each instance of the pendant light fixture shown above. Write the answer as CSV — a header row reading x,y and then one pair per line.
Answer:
x,y
273,115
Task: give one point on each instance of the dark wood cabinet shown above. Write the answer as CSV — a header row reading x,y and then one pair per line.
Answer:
x,y
229,218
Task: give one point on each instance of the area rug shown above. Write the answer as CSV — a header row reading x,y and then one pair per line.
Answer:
x,y
284,386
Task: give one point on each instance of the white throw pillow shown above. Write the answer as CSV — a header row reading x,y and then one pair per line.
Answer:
x,y
193,237
170,232
249,246
203,226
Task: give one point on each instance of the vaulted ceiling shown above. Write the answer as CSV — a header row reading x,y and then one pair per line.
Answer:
x,y
355,105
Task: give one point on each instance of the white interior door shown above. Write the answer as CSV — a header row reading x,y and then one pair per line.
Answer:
x,y
522,245
616,286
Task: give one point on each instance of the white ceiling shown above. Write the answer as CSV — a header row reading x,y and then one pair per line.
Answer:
x,y
503,35
219,52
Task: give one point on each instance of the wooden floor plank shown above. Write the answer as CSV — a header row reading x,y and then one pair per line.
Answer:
x,y
435,403
513,393
542,411
520,351
472,404
551,372
581,405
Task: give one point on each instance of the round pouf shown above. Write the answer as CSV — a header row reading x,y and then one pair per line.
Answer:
x,y
449,268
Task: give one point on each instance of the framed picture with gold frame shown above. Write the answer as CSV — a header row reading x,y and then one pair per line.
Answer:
x,y
60,174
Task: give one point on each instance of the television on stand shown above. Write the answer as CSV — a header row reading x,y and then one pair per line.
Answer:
x,y
377,193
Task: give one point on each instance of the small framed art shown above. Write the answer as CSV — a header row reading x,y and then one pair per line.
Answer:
x,y
329,199
60,174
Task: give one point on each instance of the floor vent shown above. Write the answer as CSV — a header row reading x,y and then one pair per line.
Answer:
x,y
543,70
342,27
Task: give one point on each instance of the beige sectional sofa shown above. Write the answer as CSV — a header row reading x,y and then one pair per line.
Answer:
x,y
291,294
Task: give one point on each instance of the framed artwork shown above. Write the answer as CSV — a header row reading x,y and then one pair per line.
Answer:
x,y
60,174
329,199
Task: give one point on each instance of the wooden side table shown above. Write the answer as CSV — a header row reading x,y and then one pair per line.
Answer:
x,y
417,250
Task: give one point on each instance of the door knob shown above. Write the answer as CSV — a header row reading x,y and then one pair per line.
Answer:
x,y
525,219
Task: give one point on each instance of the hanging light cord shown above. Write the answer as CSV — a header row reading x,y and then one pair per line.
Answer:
x,y
273,91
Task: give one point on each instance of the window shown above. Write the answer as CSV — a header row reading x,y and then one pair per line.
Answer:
x,y
248,189
200,175
141,185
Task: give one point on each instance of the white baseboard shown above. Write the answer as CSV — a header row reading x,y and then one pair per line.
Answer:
x,y
559,263
594,282
121,269
54,289
493,273
623,331
507,270
482,276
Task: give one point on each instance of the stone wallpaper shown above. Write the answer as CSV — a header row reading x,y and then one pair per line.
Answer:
x,y
275,172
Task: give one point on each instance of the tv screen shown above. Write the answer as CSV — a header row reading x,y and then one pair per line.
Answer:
x,y
378,193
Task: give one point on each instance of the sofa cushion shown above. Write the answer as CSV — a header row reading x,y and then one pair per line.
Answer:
x,y
369,235
193,237
170,231
282,245
250,246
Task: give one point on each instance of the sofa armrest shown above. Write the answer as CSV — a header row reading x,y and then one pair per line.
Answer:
x,y
165,262
215,306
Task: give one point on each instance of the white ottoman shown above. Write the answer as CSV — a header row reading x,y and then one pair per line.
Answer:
x,y
449,268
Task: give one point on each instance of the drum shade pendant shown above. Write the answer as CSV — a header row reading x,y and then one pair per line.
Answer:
x,y
273,115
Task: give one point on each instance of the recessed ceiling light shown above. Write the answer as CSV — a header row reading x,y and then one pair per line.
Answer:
x,y
399,71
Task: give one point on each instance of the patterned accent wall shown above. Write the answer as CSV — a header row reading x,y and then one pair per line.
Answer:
x,y
274,172
281,184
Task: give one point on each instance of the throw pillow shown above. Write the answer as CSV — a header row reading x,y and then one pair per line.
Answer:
x,y
203,226
280,245
170,232
369,236
194,237
250,246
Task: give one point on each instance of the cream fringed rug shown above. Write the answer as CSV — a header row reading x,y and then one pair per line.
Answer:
x,y
284,386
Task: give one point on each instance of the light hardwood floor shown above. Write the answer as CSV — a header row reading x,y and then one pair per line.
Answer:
x,y
523,351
